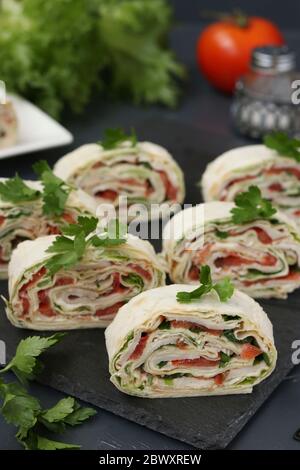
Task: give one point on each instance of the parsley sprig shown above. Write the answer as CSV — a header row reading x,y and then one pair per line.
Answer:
x,y
68,251
55,191
15,190
250,205
114,137
224,288
25,411
284,145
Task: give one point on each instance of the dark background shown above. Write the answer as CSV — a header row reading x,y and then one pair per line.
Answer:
x,y
286,13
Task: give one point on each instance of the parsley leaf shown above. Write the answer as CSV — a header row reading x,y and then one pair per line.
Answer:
x,y
69,251
19,408
250,205
66,412
25,363
224,288
224,359
56,191
114,137
284,145
15,190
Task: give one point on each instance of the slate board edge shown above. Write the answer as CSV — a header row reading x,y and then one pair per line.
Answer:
x,y
222,439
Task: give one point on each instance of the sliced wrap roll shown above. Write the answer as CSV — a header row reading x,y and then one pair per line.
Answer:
x,y
262,257
278,177
86,295
146,173
158,347
25,220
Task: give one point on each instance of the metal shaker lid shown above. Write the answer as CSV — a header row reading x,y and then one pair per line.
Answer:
x,y
276,58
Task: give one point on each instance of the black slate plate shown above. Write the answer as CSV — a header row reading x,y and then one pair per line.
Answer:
x,y
78,366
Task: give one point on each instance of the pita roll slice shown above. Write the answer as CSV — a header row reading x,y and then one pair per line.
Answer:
x,y
262,256
160,348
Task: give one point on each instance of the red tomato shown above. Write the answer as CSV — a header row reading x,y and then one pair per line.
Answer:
x,y
224,48
249,351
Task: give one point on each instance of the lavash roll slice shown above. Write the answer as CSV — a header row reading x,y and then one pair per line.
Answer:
x,y
8,125
146,173
86,295
261,257
160,348
25,220
277,176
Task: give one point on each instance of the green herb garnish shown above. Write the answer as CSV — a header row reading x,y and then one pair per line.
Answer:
x,y
224,288
25,411
250,206
162,364
284,145
69,251
25,364
222,234
114,137
229,334
230,317
133,279
15,190
55,192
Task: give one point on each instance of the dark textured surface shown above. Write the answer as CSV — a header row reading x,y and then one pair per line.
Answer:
x,y
78,365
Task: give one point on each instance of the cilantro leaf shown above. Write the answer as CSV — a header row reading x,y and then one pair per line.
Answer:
x,y
15,190
56,191
250,206
284,145
224,288
24,363
114,137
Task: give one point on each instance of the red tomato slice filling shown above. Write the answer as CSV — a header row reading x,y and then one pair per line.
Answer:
x,y
138,351
249,351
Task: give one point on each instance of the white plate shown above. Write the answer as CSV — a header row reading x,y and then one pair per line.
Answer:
x,y
36,130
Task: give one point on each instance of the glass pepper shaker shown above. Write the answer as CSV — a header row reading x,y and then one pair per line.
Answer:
x,y
263,97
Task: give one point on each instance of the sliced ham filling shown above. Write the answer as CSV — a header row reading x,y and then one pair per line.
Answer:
x,y
174,354
30,293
